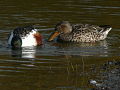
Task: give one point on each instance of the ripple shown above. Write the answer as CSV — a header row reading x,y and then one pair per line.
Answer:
x,y
56,65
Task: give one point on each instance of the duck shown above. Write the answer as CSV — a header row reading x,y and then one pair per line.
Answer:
x,y
24,36
64,31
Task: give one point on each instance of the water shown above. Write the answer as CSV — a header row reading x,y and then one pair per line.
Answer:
x,y
58,66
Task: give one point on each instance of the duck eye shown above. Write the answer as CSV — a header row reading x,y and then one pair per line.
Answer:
x,y
58,29
63,26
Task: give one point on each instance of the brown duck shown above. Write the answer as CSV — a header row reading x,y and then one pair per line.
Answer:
x,y
80,32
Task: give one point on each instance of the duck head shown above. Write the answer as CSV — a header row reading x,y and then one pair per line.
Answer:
x,y
16,42
63,27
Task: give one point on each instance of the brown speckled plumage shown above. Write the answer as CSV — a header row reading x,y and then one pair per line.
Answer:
x,y
81,32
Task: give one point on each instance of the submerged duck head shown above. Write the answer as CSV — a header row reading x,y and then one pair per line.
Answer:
x,y
63,27
16,42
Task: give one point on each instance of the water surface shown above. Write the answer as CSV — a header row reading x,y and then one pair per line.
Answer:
x,y
58,66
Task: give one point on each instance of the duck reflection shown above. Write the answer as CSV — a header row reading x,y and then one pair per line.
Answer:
x,y
25,52
83,49
89,44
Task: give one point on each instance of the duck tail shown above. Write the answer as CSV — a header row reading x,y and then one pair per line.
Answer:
x,y
106,28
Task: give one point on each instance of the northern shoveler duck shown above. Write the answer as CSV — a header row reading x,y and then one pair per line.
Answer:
x,y
24,36
80,32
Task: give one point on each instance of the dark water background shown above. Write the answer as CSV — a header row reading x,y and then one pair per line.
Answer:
x,y
60,66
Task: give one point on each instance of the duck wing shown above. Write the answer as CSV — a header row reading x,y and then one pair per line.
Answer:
x,y
87,28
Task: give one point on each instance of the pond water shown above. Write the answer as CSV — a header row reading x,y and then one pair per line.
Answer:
x,y
54,65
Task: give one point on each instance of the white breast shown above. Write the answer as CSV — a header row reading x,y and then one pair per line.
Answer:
x,y
29,40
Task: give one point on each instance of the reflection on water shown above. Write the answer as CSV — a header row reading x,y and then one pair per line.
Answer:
x,y
25,52
90,44
83,49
